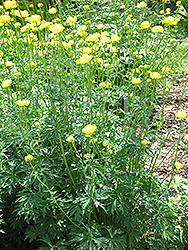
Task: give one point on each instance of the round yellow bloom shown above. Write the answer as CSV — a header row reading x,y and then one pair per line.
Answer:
x,y
115,38
186,137
161,12
105,143
100,26
70,138
9,63
10,4
145,25
165,69
86,7
168,9
86,50
82,28
186,70
71,20
155,75
141,5
181,114
169,20
28,158
154,174
105,39
113,49
178,165
6,83
99,60
144,142
122,7
17,25
52,10
40,5
157,29
4,19
84,59
33,64
56,28
22,103
136,80
178,3
89,129
33,19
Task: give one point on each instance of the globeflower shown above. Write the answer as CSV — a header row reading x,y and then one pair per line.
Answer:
x,y
4,19
136,80
181,114
6,83
84,59
157,29
28,158
169,20
105,143
178,165
144,142
161,12
52,10
56,28
22,103
186,70
115,38
105,39
155,75
89,129
145,25
9,63
178,3
70,138
186,137
141,5
165,69
100,26
71,20
10,4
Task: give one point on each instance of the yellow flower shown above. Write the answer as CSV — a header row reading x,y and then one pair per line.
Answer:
x,y
178,3
155,75
172,102
169,20
122,7
186,137
105,143
89,129
115,38
86,50
82,28
10,4
105,39
141,5
37,124
5,19
17,25
31,5
100,26
33,19
168,9
93,38
165,69
70,138
40,5
113,49
186,70
33,64
84,59
86,7
136,80
71,20
181,114
6,83
28,158
157,29
56,28
161,12
154,174
178,165
145,25
52,10
9,64
144,142
22,103
87,156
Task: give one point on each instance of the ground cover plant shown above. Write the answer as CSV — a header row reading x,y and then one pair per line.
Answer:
x,y
79,85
